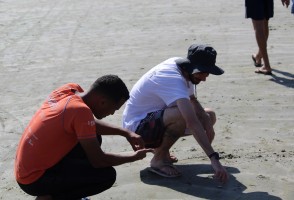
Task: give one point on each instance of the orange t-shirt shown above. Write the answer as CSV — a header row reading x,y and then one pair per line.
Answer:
x,y
53,131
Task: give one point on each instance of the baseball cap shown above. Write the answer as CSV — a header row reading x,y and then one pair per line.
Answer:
x,y
200,58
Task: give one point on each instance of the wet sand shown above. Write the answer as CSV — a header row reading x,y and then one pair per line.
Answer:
x,y
44,44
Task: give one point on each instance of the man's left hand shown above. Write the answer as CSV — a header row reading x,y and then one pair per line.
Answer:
x,y
220,172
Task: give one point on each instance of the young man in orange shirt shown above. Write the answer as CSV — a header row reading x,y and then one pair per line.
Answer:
x,y
59,155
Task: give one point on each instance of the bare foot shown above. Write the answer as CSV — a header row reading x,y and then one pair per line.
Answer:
x,y
262,71
169,158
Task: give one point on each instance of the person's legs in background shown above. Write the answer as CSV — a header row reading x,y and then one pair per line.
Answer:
x,y
261,30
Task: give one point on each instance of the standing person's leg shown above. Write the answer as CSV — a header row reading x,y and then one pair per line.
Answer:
x,y
257,58
260,11
254,9
261,34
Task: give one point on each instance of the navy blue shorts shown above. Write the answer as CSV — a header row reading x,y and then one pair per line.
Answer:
x,y
259,9
151,129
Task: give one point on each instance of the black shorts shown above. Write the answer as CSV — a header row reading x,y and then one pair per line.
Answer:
x,y
72,178
151,129
259,9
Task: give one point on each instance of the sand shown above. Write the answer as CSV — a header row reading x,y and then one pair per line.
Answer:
x,y
44,44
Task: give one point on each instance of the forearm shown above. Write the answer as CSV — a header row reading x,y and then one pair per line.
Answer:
x,y
115,159
103,128
199,134
135,140
194,126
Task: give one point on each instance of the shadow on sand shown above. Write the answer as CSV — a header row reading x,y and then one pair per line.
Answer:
x,y
287,79
195,181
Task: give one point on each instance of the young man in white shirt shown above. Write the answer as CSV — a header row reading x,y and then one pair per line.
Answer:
x,y
162,107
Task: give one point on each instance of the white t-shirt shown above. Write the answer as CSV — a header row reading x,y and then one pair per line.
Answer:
x,y
157,89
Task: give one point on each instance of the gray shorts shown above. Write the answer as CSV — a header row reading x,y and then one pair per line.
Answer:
x,y
151,129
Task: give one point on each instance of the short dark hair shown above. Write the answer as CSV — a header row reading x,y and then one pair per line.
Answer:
x,y
111,86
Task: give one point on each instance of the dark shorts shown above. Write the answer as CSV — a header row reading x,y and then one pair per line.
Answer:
x,y
72,178
259,9
151,129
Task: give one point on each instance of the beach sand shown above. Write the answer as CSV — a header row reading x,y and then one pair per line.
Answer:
x,y
44,44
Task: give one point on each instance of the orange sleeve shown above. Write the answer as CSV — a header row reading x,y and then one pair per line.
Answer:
x,y
79,119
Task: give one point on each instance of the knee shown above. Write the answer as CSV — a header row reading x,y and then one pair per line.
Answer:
x,y
104,181
108,181
211,114
112,175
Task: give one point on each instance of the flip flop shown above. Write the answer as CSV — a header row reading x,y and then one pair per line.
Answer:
x,y
258,71
255,63
158,171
